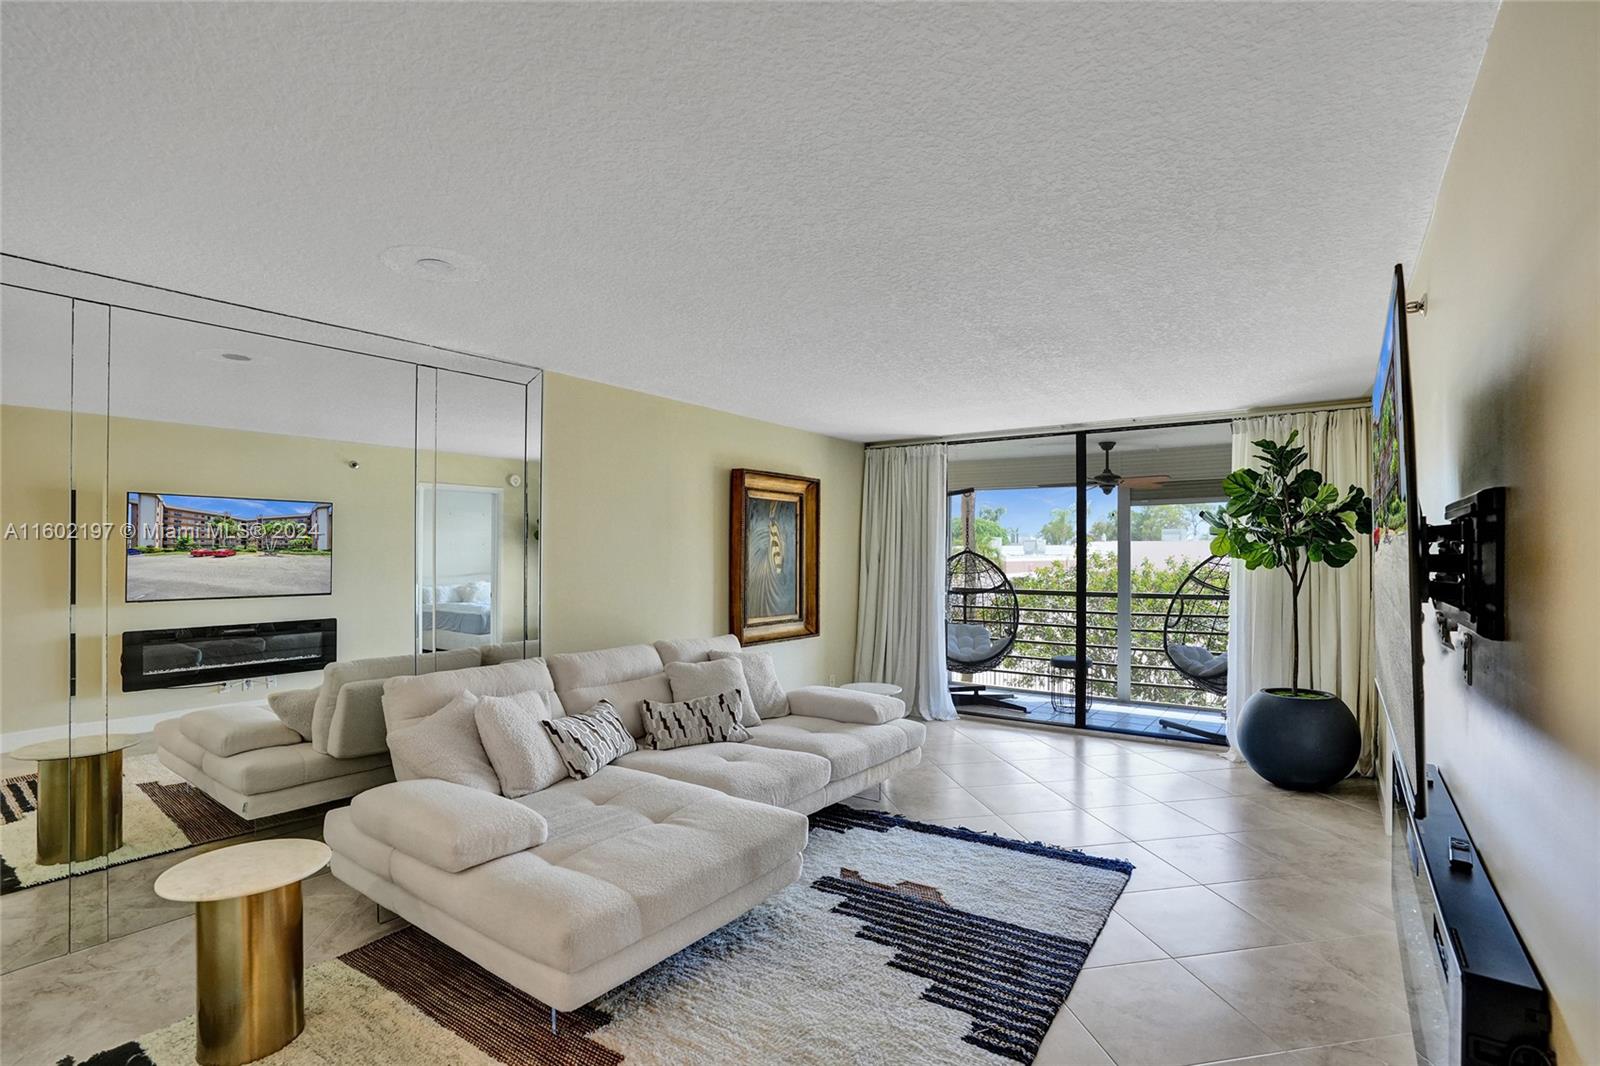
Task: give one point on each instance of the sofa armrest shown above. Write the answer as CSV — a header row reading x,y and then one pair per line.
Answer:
x,y
357,726
845,705
446,825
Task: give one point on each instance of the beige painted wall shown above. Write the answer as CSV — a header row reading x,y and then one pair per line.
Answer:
x,y
1507,392
373,565
636,522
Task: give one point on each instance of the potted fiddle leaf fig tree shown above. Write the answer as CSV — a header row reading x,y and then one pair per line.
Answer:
x,y
1287,517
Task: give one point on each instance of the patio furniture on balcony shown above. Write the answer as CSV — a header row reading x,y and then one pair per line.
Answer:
x,y
1063,668
1195,632
1155,688
981,619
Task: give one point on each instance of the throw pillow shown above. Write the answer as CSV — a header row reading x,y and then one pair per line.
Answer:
x,y
295,709
690,681
763,685
588,741
445,746
524,759
706,720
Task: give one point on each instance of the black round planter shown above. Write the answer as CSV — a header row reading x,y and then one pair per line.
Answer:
x,y
1306,741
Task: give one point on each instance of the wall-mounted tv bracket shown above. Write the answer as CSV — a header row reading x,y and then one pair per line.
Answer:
x,y
1465,563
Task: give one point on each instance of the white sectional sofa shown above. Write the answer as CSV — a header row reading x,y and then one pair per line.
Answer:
x,y
249,759
573,889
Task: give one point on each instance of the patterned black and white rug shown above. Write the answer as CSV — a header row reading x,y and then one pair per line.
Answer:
x,y
901,942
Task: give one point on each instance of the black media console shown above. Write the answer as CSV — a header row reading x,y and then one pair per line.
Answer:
x,y
1475,997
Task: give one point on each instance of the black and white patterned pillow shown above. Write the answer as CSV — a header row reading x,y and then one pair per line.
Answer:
x,y
707,720
590,740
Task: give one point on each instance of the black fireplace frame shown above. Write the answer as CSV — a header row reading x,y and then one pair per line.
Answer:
x,y
303,645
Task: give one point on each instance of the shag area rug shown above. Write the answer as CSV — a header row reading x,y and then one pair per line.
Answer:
x,y
902,942
161,812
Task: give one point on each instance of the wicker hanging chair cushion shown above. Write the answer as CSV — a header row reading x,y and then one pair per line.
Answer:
x,y
967,643
1197,662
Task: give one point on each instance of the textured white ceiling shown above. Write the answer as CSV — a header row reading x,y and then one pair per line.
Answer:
x,y
868,220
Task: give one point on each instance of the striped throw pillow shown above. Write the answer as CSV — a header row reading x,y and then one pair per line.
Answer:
x,y
706,720
590,740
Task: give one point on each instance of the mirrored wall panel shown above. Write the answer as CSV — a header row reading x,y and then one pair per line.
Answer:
x,y
477,515
267,530
35,629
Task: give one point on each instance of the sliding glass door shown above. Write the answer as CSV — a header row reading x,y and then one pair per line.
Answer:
x,y
1119,619
1016,504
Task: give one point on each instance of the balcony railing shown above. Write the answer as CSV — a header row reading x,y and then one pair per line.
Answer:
x,y
1048,628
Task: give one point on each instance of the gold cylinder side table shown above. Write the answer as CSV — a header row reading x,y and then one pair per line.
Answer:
x,y
80,796
249,944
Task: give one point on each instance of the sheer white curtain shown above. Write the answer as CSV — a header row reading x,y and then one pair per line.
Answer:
x,y
1336,652
900,616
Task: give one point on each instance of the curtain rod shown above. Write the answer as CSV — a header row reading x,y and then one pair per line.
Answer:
x,y
1121,427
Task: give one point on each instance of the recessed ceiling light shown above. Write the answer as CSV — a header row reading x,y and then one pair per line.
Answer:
x,y
430,264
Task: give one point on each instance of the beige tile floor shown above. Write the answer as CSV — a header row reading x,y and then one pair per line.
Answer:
x,y
1256,927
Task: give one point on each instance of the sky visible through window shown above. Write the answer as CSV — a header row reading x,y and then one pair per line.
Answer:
x,y
1027,511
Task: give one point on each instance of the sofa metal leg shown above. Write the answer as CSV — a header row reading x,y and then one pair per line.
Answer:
x,y
552,1021
385,915
874,793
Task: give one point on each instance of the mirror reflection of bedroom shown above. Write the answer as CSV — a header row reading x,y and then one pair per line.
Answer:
x,y
458,577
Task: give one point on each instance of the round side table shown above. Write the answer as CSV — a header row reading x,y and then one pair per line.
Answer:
x,y
249,946
1063,668
80,796
875,687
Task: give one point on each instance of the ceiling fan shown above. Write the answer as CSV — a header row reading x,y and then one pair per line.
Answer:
x,y
1108,479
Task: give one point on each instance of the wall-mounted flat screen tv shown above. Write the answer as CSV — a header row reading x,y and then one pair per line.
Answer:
x,y
1397,540
226,547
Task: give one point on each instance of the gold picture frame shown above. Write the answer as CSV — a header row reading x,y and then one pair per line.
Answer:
x,y
773,556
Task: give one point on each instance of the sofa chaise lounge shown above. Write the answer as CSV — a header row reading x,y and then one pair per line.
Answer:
x,y
621,869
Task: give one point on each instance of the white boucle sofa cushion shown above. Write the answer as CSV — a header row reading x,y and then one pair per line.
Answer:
x,y
695,649
623,677
744,771
522,754
508,651
613,870
846,705
446,825
693,681
849,748
766,691
408,699
295,709
264,770
445,746
236,728
336,675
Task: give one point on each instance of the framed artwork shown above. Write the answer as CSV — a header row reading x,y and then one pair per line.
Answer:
x,y
772,556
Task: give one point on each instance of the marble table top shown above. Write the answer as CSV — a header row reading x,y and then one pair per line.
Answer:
x,y
76,748
243,870
878,688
